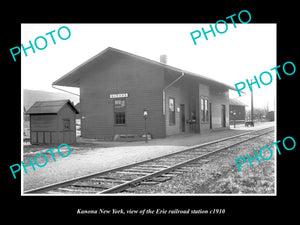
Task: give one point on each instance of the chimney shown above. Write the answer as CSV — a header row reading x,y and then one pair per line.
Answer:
x,y
163,59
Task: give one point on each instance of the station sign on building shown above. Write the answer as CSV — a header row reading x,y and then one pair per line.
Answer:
x,y
116,86
122,95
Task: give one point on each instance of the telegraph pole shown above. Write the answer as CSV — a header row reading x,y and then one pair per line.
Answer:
x,y
252,119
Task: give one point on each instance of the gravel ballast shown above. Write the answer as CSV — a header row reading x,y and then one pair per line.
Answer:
x,y
92,159
218,174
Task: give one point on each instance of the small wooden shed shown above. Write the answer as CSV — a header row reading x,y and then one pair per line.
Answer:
x,y
52,122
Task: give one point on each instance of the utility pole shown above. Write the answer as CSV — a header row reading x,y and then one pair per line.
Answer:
x,y
252,119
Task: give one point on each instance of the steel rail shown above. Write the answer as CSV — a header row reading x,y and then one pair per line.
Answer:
x,y
131,183
87,177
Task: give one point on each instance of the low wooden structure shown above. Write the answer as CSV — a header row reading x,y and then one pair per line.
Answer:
x,y
52,122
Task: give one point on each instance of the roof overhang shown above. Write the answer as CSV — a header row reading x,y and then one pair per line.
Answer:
x,y
72,78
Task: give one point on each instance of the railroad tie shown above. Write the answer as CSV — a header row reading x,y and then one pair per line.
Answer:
x,y
91,185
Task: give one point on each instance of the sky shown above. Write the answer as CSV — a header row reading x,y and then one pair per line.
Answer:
x,y
231,57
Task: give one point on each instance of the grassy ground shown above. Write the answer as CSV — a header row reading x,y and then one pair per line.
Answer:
x,y
218,174
256,180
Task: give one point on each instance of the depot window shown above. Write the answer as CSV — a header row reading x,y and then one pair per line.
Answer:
x,y
204,109
120,111
171,111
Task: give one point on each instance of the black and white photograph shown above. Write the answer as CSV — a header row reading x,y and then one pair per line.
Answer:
x,y
187,114
139,118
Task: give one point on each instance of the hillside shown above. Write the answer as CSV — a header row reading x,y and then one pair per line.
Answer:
x,y
31,96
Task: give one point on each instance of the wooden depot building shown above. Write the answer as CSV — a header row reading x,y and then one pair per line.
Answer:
x,y
237,111
116,87
52,122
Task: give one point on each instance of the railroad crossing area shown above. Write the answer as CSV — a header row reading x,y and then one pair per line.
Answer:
x,y
88,159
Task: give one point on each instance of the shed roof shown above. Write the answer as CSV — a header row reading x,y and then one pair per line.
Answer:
x,y
77,106
50,107
236,102
72,79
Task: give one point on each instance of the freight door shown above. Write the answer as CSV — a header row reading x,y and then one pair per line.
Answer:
x,y
182,118
223,116
210,117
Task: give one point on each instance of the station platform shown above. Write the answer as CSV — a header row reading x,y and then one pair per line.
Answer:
x,y
83,161
191,139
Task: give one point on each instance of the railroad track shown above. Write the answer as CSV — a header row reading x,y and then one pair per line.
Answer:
x,y
148,172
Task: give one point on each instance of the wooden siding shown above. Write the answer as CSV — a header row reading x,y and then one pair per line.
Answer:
x,y
180,94
121,74
66,113
193,89
116,73
48,128
219,97
240,112
204,94
44,122
189,93
52,137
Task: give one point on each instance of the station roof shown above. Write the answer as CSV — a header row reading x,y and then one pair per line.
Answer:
x,y
49,107
72,78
